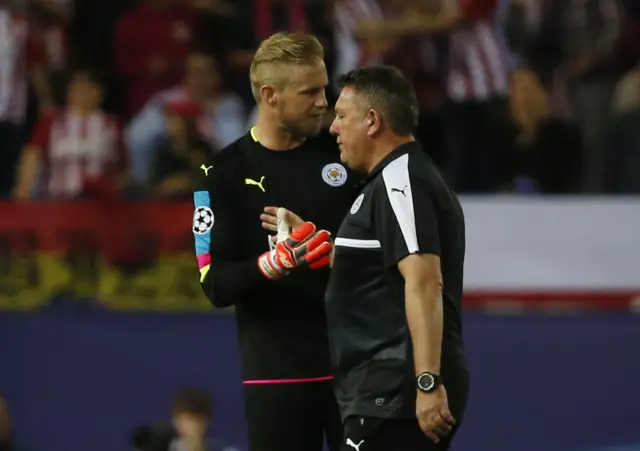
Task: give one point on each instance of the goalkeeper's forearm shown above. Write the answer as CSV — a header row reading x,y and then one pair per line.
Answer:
x,y
225,283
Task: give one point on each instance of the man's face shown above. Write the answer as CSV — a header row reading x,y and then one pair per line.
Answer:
x,y
84,93
351,126
301,102
202,77
190,426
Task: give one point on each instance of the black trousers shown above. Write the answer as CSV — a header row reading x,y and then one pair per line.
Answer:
x,y
404,434
375,434
292,417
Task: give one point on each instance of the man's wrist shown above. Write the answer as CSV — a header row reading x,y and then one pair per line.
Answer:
x,y
434,369
269,267
428,382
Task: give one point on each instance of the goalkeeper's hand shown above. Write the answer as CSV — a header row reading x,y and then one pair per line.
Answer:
x,y
303,247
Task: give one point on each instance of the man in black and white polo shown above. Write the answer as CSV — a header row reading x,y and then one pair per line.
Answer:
x,y
394,297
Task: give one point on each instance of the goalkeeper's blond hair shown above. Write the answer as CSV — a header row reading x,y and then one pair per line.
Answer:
x,y
275,53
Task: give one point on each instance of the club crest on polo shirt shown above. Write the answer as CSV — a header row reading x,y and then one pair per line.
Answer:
x,y
334,174
356,205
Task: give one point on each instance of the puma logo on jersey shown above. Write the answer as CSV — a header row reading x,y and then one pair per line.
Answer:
x,y
258,184
353,445
396,190
206,169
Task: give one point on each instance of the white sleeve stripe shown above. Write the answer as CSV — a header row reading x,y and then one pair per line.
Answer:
x,y
398,187
357,244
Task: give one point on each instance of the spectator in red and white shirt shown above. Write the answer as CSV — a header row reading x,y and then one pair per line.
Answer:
x,y
477,61
477,82
76,149
477,87
456,38
353,48
477,67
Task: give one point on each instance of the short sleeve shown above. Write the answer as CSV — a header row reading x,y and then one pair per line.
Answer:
x,y
405,221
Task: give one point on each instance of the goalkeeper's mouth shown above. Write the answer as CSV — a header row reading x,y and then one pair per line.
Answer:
x,y
318,113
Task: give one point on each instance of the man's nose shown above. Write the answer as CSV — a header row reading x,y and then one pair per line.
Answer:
x,y
334,128
322,101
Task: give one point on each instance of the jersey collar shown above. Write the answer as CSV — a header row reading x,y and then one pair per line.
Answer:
x,y
396,153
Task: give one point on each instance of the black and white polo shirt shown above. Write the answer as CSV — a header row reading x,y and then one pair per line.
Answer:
x,y
405,207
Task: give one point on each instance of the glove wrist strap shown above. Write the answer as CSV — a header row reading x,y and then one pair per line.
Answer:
x,y
269,267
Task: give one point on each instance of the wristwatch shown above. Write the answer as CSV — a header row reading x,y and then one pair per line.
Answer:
x,y
428,382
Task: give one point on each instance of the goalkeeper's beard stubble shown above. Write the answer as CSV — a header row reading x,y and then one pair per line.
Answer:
x,y
305,127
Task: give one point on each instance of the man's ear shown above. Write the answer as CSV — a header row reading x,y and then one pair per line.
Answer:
x,y
268,94
374,122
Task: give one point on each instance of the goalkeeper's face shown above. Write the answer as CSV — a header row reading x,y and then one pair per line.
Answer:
x,y
301,101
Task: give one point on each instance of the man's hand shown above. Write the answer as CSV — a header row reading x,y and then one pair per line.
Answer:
x,y
304,247
270,219
432,410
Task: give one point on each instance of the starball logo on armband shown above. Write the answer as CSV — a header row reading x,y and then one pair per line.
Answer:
x,y
202,220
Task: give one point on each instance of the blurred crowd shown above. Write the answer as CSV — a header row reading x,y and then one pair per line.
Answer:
x,y
122,99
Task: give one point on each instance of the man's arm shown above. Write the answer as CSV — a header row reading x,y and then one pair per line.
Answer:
x,y
421,20
407,25
418,22
31,159
406,224
226,276
423,303
28,168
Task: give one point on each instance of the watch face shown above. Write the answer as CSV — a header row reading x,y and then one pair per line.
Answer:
x,y
426,382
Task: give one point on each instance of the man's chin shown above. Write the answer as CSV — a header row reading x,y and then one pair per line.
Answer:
x,y
306,130
343,158
316,128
